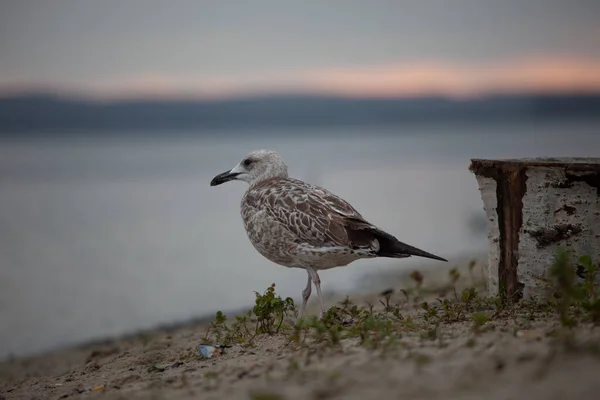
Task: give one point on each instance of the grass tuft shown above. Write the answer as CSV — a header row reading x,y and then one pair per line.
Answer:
x,y
381,325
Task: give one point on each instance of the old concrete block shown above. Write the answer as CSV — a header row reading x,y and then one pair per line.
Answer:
x,y
535,206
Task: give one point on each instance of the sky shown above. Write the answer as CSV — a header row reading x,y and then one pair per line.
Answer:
x,y
216,48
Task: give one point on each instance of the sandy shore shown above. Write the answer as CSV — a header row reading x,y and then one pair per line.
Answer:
x,y
512,356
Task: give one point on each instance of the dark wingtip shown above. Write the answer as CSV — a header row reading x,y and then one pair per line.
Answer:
x,y
439,258
392,247
420,253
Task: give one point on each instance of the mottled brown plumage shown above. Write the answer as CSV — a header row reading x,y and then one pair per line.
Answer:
x,y
296,224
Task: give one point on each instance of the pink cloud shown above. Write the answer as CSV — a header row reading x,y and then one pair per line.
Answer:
x,y
539,74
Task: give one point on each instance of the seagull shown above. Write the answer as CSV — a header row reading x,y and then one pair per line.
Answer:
x,y
299,225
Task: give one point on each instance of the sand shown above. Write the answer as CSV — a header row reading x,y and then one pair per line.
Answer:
x,y
509,359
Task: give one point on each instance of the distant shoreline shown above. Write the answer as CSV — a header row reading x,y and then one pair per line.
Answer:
x,y
45,113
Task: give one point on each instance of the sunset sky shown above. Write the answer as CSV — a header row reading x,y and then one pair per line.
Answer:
x,y
157,48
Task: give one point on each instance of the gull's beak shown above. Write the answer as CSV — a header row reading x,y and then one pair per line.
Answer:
x,y
224,177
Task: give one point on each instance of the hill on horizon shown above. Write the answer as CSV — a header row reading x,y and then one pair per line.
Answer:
x,y
43,112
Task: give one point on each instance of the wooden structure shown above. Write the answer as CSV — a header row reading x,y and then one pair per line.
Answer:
x,y
534,206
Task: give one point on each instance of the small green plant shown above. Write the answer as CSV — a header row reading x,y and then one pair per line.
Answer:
x,y
386,304
468,297
417,276
218,328
266,317
591,298
382,326
563,275
575,297
270,310
324,331
479,318
454,277
472,265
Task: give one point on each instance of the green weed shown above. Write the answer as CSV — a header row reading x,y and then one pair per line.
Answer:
x,y
382,325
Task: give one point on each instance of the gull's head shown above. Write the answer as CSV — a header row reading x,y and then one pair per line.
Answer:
x,y
257,166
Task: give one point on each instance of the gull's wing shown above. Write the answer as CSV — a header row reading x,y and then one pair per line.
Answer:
x,y
312,214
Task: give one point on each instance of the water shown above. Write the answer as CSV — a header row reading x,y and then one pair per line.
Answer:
x,y
101,237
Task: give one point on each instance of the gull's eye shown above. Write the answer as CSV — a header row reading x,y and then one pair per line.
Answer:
x,y
247,162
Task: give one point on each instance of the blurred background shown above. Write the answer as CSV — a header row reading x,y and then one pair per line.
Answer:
x,y
114,116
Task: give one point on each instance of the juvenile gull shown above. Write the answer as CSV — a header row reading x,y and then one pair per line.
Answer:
x,y
299,225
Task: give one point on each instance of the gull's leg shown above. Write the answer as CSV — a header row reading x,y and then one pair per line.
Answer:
x,y
305,296
317,281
